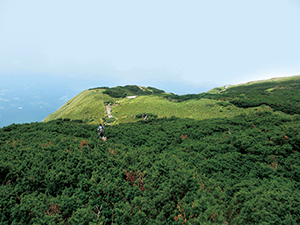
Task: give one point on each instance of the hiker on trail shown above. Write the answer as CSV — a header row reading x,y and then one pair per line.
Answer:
x,y
100,131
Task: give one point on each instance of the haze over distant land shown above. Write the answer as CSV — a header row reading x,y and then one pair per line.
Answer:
x,y
59,48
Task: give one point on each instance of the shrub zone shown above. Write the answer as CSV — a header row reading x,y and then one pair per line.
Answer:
x,y
160,171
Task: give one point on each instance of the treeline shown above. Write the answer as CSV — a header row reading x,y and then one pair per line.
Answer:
x,y
243,170
129,90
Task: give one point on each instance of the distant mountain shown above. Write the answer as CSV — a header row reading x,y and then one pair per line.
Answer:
x,y
131,102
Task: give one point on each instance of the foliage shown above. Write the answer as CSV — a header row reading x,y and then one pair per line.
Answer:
x,y
108,102
159,171
104,87
273,95
157,105
181,98
142,115
130,90
243,169
280,95
155,90
110,120
88,105
116,92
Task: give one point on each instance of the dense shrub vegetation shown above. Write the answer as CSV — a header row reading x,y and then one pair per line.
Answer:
x,y
143,115
155,90
243,170
181,98
129,90
281,96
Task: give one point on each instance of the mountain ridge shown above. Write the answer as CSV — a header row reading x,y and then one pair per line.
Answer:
x,y
160,170
227,101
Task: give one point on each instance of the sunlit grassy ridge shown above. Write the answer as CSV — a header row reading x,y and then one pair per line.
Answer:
x,y
271,80
88,106
194,109
227,101
281,94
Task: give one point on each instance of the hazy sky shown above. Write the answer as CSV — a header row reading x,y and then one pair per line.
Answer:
x,y
194,44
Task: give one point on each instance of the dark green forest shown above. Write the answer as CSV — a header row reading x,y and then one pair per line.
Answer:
x,y
242,170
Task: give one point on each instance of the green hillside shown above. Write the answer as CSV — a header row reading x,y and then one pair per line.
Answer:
x,y
228,156
126,110
277,94
90,105
281,94
240,170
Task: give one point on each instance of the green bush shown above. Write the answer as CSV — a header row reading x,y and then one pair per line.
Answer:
x,y
284,95
110,120
160,171
150,115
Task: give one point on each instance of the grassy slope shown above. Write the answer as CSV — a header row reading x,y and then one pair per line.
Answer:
x,y
88,105
272,80
196,109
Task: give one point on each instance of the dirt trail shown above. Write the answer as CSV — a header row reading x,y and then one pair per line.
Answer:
x,y
141,88
108,110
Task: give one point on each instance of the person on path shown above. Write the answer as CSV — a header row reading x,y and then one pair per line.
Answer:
x,y
100,130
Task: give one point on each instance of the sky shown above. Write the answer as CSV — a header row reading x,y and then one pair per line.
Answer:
x,y
180,46
169,43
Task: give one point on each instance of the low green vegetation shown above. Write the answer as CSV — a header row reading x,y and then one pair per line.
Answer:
x,y
88,106
194,109
280,94
228,156
238,170
130,90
